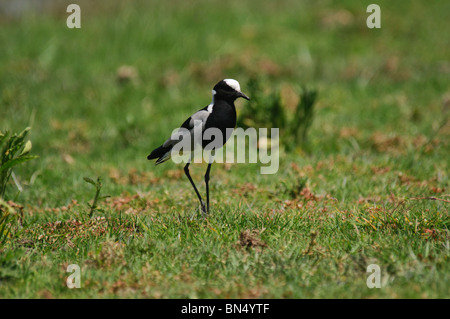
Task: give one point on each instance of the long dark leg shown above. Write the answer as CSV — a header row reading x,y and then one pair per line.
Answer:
x,y
207,186
186,171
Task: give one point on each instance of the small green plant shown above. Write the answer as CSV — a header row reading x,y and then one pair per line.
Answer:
x,y
98,186
263,110
292,187
5,211
13,151
267,110
304,115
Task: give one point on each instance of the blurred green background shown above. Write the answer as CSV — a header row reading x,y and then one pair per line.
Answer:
x,y
100,98
65,83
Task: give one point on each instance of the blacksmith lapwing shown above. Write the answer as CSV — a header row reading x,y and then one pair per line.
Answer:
x,y
219,114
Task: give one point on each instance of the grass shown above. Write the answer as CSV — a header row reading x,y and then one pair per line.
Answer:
x,y
372,187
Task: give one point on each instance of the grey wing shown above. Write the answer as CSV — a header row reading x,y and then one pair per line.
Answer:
x,y
187,128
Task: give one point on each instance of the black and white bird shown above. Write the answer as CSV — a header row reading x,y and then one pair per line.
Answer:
x,y
219,114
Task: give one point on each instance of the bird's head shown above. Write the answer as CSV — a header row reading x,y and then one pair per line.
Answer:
x,y
228,89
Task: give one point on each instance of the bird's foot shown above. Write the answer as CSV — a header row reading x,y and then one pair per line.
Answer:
x,y
204,210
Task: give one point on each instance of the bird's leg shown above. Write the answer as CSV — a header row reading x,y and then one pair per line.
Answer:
x,y
207,186
211,160
186,171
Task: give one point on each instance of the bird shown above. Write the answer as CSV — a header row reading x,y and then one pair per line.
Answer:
x,y
220,114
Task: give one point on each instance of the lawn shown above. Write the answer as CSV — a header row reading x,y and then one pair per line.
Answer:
x,y
370,186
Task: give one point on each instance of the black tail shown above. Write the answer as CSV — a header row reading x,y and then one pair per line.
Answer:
x,y
159,153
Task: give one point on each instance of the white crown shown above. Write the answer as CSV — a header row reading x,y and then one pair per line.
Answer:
x,y
233,84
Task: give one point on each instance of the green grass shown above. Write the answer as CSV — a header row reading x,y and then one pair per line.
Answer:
x,y
376,170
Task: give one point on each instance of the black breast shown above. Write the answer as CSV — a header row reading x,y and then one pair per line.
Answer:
x,y
223,116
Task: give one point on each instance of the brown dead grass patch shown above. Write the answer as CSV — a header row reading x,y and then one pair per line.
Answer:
x,y
66,233
131,204
132,177
111,254
245,189
251,239
337,18
388,144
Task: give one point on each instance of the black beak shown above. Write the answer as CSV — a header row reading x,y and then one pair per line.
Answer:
x,y
244,96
